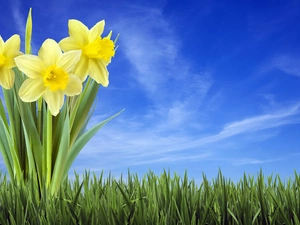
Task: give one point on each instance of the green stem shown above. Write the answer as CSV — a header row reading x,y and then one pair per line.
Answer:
x,y
39,118
49,147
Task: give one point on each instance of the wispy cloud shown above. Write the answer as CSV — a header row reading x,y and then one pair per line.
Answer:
x,y
170,82
19,20
287,64
253,161
150,46
142,145
253,124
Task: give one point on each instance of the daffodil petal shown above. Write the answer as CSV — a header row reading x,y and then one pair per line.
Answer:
x,y
1,45
96,30
10,62
31,65
7,77
12,46
55,100
82,67
50,52
74,86
78,31
31,90
109,35
98,72
69,43
68,60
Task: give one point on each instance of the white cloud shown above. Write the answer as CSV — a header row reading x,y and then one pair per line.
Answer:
x,y
253,124
17,16
261,122
288,64
247,161
140,144
152,47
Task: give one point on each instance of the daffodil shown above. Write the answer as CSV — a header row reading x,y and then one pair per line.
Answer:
x,y
96,51
50,75
8,51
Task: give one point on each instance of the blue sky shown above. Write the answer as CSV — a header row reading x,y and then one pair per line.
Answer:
x,y
205,84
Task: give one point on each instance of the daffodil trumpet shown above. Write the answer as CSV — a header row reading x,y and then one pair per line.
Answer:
x,y
49,98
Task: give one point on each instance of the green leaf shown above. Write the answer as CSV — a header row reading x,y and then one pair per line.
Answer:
x,y
81,110
81,141
62,155
10,133
5,150
33,145
30,150
3,114
28,32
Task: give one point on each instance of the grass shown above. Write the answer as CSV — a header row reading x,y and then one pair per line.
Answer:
x,y
164,199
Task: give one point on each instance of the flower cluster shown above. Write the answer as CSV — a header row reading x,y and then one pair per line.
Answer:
x,y
41,133
59,69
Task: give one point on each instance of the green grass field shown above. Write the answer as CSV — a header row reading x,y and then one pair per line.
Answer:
x,y
165,199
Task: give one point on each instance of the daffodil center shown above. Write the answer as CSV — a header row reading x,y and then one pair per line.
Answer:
x,y
55,78
100,49
2,60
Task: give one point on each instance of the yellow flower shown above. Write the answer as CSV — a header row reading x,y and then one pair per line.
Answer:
x,y
96,51
50,75
8,51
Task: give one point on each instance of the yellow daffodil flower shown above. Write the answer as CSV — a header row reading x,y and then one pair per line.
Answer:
x,y
96,51
8,51
50,75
